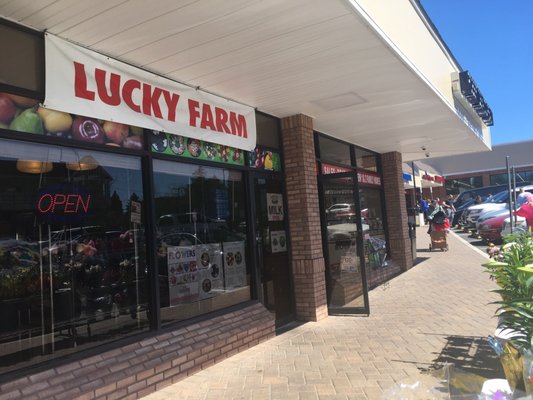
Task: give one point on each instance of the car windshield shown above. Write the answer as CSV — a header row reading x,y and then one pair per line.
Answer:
x,y
497,198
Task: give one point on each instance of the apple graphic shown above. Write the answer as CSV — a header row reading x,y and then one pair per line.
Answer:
x,y
115,132
87,130
23,102
54,121
7,109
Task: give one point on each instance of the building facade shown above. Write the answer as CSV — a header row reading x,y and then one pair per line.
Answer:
x,y
469,171
181,181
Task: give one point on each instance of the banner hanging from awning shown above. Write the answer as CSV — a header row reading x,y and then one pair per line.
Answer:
x,y
83,82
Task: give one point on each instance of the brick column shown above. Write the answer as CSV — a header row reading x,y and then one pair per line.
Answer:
x,y
304,218
399,242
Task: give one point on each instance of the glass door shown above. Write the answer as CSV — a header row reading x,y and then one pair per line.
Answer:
x,y
342,235
271,247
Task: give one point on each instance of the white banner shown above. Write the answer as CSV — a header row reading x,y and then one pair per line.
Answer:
x,y
83,82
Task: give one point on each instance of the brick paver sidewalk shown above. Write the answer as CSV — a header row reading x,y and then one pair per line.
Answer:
x,y
437,312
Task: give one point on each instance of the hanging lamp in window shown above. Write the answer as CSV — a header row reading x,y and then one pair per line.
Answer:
x,y
86,163
34,166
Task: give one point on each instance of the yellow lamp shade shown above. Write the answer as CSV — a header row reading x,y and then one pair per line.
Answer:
x,y
86,163
34,166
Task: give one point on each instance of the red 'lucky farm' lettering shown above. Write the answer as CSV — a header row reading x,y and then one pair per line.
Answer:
x,y
113,94
112,91
218,122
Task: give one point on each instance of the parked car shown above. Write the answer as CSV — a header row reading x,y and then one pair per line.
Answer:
x,y
490,229
483,192
494,204
340,208
519,226
473,212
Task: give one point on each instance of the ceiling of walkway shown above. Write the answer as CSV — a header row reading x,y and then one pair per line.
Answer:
x,y
316,57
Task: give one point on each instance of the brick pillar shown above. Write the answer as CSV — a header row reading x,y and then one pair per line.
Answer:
x,y
399,242
304,218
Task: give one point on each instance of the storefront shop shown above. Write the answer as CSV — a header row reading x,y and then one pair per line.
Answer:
x,y
110,231
356,251
170,201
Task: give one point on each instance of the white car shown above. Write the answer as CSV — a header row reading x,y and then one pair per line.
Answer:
x,y
344,231
519,226
494,205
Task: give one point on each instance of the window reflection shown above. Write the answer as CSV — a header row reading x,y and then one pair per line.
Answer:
x,y
345,282
71,256
374,235
201,239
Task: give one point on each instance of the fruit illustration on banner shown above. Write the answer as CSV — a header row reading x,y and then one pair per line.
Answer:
x,y
267,160
136,130
55,121
23,102
87,130
27,121
133,142
115,132
7,108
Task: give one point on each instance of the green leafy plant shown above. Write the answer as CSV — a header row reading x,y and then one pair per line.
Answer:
x,y
514,275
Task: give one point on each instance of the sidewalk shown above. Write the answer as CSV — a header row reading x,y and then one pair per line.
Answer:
x,y
436,312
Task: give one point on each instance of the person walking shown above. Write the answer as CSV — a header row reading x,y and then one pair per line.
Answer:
x,y
449,209
424,209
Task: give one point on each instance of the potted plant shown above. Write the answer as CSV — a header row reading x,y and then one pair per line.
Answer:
x,y
513,272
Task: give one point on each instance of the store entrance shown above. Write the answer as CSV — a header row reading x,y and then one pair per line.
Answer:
x,y
271,245
342,235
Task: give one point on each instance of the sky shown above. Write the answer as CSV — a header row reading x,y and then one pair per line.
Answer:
x,y
493,39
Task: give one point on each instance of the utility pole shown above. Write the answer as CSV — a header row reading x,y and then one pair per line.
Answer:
x,y
510,193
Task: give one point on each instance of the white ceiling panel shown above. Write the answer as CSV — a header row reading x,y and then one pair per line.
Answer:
x,y
282,57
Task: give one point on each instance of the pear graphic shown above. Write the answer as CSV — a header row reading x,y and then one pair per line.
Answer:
x,y
55,121
27,121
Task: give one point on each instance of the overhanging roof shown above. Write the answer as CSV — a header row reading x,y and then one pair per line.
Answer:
x,y
316,57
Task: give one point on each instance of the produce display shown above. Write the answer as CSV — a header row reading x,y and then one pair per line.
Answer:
x,y
167,143
23,114
264,159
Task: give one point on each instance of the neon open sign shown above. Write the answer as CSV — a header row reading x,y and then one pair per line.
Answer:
x,y
63,204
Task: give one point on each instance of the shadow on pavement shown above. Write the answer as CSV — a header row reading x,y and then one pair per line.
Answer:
x,y
471,354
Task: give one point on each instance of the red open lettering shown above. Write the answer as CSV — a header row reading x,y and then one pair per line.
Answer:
x,y
60,203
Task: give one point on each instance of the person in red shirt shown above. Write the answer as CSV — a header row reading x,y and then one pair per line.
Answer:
x,y
526,211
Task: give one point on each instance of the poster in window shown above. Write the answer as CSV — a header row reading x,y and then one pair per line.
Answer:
x,y
182,274
278,240
211,274
275,206
234,265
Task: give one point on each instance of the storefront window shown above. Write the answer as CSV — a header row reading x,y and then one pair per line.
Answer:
x,y
520,177
366,160
456,186
374,232
334,151
72,253
201,239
